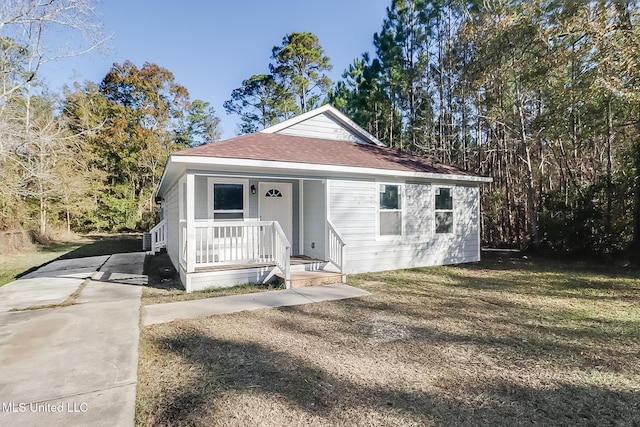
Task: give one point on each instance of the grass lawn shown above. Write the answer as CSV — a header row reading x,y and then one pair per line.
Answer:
x,y
495,343
13,266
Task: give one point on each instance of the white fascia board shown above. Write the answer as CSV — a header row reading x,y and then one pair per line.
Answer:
x,y
347,122
163,178
319,169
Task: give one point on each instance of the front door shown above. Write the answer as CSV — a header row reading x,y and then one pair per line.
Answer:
x,y
274,204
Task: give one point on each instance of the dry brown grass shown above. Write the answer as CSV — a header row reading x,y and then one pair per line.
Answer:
x,y
490,344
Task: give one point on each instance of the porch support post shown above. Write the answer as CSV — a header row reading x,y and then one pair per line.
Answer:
x,y
191,231
301,216
327,217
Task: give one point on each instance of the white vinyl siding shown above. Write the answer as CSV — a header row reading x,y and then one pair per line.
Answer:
x,y
466,211
419,214
321,126
172,212
353,210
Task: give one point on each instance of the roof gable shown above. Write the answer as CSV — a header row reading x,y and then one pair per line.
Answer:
x,y
327,123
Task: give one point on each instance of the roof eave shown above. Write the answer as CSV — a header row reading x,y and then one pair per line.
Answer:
x,y
316,168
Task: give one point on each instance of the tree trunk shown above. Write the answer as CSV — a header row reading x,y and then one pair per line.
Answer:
x,y
531,203
635,246
43,216
610,136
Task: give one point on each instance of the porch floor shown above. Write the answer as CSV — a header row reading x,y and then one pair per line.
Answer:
x,y
295,260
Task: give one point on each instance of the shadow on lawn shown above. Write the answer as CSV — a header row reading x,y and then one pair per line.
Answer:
x,y
481,358
539,264
549,281
582,345
106,245
250,367
97,245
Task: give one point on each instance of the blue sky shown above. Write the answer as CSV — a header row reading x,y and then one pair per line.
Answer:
x,y
211,46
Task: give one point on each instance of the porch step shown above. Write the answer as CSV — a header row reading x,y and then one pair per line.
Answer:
x,y
308,266
301,279
306,263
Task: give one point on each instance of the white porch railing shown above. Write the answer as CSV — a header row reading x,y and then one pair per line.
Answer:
x,y
282,253
159,236
336,249
229,243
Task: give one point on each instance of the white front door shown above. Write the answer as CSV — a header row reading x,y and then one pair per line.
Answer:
x,y
274,204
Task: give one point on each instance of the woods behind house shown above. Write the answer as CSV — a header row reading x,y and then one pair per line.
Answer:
x,y
542,96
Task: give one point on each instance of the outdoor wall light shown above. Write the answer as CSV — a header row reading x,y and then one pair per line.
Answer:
x,y
253,189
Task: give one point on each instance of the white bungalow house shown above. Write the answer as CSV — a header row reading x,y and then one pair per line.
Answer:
x,y
311,199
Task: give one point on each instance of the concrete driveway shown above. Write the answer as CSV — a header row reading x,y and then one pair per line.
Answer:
x,y
73,365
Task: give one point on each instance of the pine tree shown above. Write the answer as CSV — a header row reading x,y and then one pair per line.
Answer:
x,y
299,66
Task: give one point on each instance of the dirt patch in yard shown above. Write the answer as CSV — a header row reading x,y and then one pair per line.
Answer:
x,y
475,345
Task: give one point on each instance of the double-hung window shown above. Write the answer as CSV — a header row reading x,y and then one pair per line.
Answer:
x,y
444,210
390,210
226,200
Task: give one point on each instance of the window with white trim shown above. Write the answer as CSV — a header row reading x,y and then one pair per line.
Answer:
x,y
444,210
227,199
390,210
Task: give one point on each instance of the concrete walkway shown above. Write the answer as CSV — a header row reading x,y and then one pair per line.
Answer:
x,y
162,313
51,284
76,365
73,365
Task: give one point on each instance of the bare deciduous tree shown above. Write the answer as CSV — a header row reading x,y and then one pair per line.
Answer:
x,y
34,32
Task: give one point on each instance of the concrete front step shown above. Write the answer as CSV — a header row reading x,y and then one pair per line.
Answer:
x,y
301,279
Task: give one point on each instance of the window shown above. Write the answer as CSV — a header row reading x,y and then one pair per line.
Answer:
x,y
444,210
274,192
228,201
390,210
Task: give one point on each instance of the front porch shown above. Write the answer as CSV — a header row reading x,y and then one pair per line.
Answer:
x,y
304,271
226,231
